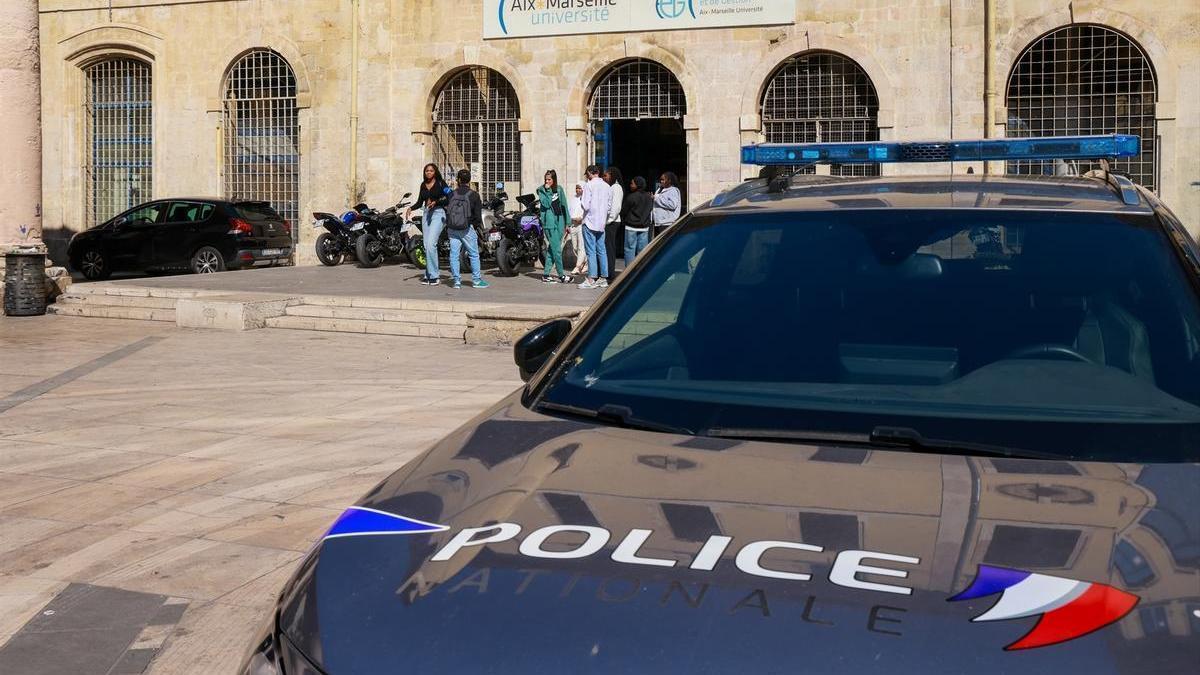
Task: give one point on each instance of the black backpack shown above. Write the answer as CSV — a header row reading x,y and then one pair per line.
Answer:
x,y
458,211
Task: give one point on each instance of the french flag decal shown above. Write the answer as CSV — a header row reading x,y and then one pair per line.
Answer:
x,y
360,521
1068,608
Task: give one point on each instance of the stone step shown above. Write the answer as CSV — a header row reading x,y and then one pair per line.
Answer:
x,y
365,326
112,312
414,304
73,298
110,289
414,316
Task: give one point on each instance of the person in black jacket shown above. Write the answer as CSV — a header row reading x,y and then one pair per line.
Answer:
x,y
432,195
636,217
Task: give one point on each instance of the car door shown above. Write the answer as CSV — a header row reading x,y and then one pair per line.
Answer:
x,y
131,241
179,234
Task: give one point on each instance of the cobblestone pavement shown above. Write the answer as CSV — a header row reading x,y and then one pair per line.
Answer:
x,y
150,467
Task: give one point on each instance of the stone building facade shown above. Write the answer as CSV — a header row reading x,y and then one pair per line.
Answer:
x,y
316,104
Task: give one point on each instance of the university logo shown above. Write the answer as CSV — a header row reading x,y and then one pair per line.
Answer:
x,y
673,9
1069,609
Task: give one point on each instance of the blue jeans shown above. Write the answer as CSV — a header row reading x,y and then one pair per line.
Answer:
x,y
635,243
593,243
435,220
457,239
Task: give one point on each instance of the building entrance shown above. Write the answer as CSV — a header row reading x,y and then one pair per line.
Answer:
x,y
637,111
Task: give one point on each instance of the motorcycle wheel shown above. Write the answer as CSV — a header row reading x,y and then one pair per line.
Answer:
x,y
506,258
416,252
370,251
329,251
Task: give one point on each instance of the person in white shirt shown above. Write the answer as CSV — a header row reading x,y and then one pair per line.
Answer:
x,y
597,201
612,230
575,233
667,202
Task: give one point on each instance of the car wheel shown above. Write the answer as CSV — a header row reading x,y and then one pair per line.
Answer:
x,y
94,265
329,250
207,261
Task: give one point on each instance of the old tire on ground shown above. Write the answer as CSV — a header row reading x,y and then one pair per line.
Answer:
x,y
370,251
207,260
329,250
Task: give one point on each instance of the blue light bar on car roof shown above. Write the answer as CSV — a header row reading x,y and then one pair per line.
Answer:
x,y
1050,147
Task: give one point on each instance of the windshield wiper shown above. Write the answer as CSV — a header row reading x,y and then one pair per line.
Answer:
x,y
616,415
883,437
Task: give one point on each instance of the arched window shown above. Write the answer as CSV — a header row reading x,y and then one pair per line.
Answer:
x,y
475,127
262,133
821,97
119,136
1084,79
636,90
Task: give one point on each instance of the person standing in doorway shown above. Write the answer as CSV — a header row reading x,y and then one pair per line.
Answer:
x,y
667,202
636,218
612,229
553,202
464,215
432,196
597,201
576,234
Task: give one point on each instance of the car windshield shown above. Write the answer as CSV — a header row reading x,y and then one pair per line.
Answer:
x,y
1055,334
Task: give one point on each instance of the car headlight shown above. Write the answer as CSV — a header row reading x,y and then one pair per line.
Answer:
x,y
274,654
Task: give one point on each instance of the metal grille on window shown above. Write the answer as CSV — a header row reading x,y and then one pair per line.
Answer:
x,y
638,89
1085,80
475,127
119,132
822,98
262,134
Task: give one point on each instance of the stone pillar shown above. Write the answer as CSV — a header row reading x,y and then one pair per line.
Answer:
x,y
21,119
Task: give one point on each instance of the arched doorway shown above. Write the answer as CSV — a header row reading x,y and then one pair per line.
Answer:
x,y
262,133
118,111
821,97
1085,79
475,126
636,111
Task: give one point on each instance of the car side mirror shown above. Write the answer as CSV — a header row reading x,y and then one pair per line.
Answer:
x,y
533,350
120,222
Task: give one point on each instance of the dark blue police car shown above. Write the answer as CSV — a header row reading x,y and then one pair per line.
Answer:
x,y
824,425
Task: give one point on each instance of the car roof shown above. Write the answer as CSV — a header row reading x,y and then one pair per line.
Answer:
x,y
1035,193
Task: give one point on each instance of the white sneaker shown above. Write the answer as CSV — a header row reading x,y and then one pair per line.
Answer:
x,y
602,283
587,283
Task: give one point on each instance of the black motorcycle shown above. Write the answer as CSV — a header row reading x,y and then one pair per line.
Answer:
x,y
521,238
383,235
337,242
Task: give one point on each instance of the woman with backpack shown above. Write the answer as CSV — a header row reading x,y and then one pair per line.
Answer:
x,y
464,214
432,195
555,219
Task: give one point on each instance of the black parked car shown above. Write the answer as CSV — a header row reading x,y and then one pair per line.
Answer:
x,y
203,235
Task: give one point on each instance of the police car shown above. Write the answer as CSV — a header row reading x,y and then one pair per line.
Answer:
x,y
824,425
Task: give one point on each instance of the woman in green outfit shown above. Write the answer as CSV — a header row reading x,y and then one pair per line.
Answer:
x,y
555,219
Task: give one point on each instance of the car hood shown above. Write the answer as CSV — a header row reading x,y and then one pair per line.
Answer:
x,y
1099,561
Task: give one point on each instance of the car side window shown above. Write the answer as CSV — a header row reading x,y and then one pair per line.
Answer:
x,y
189,212
145,215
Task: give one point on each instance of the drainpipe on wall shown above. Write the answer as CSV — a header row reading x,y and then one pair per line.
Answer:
x,y
989,85
353,102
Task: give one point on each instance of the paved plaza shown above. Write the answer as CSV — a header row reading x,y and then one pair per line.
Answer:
x,y
158,484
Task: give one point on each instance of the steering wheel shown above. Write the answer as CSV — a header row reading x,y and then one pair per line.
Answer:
x,y
1049,350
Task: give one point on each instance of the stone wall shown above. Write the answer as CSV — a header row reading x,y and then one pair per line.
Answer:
x,y
925,60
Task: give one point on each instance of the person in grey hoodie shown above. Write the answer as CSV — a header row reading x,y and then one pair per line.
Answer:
x,y
667,202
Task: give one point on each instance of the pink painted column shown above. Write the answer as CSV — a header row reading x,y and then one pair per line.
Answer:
x,y
21,120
